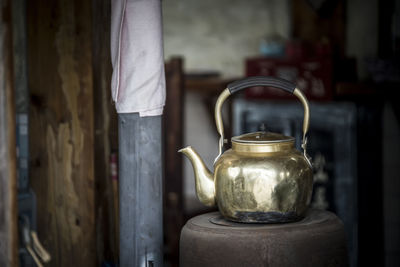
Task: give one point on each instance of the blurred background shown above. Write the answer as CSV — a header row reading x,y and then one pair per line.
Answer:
x,y
344,54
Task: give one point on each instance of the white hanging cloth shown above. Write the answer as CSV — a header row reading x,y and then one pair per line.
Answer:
x,y
138,79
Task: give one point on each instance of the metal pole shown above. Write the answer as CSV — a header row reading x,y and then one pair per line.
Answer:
x,y
140,199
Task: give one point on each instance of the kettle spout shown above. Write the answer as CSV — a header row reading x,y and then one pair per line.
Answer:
x,y
204,179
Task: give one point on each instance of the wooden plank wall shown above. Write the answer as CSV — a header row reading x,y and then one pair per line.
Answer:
x,y
8,179
61,128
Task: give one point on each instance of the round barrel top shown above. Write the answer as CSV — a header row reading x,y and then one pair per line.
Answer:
x,y
215,222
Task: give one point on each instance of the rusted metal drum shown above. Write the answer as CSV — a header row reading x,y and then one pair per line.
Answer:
x,y
210,240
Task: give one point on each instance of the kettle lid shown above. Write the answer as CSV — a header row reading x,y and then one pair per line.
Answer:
x,y
262,138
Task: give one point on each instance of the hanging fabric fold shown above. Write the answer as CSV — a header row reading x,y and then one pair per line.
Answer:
x,y
138,79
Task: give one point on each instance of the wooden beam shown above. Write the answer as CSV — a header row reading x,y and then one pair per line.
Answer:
x,y
106,135
173,167
61,128
8,179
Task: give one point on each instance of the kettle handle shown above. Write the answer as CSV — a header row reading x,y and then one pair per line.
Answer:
x,y
261,81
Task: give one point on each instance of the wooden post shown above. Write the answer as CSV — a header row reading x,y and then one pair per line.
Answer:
x,y
173,140
106,134
8,179
61,128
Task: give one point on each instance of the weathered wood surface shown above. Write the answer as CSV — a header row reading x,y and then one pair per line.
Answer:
x,y
61,128
106,134
8,180
173,139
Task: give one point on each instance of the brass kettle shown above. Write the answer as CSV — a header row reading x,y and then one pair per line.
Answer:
x,y
262,178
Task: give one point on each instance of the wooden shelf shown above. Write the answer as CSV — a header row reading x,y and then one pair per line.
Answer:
x,y
208,85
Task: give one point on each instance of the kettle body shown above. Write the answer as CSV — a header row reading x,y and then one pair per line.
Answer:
x,y
263,187
263,178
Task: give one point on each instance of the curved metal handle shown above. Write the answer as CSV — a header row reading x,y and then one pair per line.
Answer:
x,y
261,81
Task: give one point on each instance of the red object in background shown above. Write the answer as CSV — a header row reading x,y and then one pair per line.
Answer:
x,y
114,166
308,66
